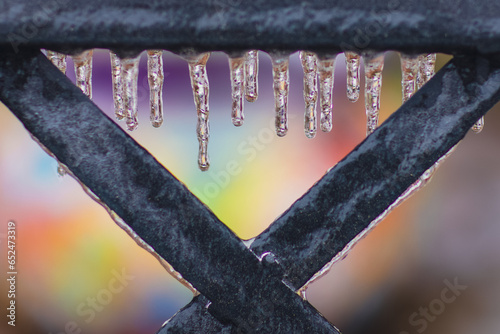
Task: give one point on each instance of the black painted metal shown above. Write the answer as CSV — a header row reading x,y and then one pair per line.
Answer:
x,y
449,26
360,187
159,208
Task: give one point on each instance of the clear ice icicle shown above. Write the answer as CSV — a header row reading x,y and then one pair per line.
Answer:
x,y
352,61
237,70
199,83
410,67
478,126
129,76
280,85
426,68
116,72
326,69
155,79
251,75
58,59
374,64
83,71
310,68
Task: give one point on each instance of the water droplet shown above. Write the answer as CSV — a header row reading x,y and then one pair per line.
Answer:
x,y
129,77
410,67
478,126
352,61
426,68
237,70
83,71
116,72
251,75
326,69
374,64
58,59
310,68
155,78
280,85
199,83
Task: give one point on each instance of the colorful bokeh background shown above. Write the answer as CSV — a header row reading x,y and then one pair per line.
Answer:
x,y
69,250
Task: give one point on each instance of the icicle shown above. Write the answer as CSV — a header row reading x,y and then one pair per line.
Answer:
x,y
199,83
155,78
374,64
237,69
409,72
280,84
251,75
310,68
83,71
326,69
58,59
129,77
352,61
478,126
426,68
116,72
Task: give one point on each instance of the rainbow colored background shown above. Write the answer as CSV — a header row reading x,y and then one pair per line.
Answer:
x,y
68,249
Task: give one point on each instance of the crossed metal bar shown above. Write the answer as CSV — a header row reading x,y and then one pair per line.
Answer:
x,y
247,290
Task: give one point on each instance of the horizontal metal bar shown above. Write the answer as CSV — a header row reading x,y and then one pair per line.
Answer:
x,y
155,205
413,26
366,182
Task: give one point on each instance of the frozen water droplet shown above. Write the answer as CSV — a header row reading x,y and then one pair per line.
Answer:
x,y
129,77
83,71
251,75
374,64
426,68
199,83
116,72
237,70
478,126
326,69
410,67
303,291
155,78
352,61
280,85
310,68
61,170
58,59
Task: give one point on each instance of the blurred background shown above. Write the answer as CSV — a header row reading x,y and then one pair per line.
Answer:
x,y
69,250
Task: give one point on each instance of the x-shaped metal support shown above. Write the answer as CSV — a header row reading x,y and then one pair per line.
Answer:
x,y
247,289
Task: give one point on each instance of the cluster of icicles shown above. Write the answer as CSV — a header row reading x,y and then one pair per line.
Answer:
x,y
416,71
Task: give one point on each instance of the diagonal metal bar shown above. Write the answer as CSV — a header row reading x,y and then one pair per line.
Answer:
x,y
466,26
150,200
360,187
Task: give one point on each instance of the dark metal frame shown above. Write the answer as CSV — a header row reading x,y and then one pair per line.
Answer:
x,y
246,289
